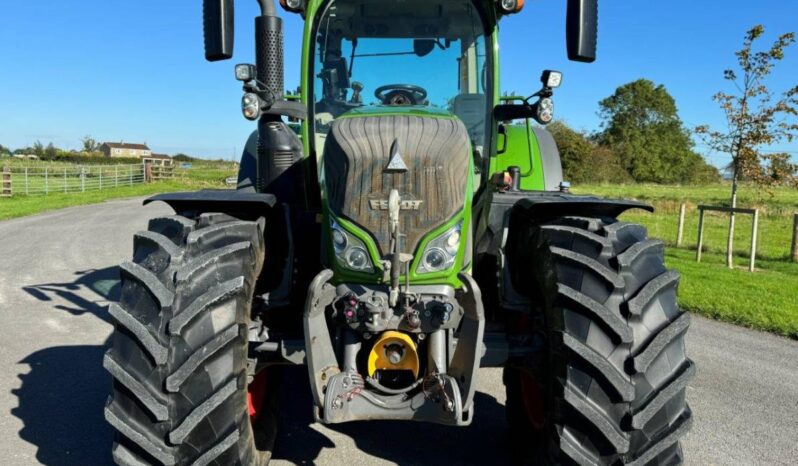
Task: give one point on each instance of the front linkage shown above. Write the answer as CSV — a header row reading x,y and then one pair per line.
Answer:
x,y
447,390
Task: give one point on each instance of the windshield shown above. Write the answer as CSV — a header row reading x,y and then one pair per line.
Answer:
x,y
415,53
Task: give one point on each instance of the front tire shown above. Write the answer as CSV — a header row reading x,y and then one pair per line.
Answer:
x,y
609,387
179,352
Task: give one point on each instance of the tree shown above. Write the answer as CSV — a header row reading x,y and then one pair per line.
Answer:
x,y
50,152
642,126
4,150
89,145
583,161
755,120
182,158
38,149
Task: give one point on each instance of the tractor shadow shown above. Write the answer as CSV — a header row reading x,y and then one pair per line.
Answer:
x,y
61,397
300,441
103,283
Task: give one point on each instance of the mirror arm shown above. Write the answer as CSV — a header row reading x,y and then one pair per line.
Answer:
x,y
267,8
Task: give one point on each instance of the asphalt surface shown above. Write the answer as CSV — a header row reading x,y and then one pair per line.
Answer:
x,y
58,273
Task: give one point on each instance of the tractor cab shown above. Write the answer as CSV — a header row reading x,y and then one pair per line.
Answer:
x,y
413,57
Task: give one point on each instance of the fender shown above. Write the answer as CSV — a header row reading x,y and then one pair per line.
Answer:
x,y
547,205
244,204
535,207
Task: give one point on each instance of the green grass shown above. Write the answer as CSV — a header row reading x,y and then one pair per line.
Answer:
x,y
775,219
766,299
203,175
776,201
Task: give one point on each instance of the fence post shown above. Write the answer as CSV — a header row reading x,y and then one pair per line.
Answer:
x,y
754,228
83,179
794,250
6,181
116,175
680,230
46,182
65,180
101,177
130,173
700,234
26,181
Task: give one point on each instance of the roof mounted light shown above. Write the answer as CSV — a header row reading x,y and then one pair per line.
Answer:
x,y
293,6
509,7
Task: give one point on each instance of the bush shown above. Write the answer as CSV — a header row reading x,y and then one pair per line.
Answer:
x,y
584,161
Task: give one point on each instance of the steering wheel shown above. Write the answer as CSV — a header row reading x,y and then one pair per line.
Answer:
x,y
401,94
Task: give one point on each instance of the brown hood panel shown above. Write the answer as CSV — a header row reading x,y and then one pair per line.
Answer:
x,y
436,152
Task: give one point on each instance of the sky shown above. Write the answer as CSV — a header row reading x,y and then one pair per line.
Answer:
x,y
135,71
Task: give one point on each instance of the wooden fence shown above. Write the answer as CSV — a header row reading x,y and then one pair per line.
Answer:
x,y
157,172
6,183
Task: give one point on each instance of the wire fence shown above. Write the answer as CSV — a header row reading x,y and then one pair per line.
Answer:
x,y
75,179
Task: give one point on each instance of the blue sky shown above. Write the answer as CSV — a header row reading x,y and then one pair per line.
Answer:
x,y
134,71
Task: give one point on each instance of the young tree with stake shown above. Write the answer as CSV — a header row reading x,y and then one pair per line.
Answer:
x,y
756,119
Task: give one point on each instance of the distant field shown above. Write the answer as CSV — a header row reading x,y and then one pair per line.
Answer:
x,y
766,299
775,218
202,175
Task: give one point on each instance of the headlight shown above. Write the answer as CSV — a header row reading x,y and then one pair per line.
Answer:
x,y
250,106
441,252
350,252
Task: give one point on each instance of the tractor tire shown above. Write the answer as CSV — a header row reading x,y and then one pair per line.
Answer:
x,y
180,344
609,386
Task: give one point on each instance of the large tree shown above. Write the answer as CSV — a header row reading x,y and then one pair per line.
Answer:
x,y
90,145
755,120
642,126
583,161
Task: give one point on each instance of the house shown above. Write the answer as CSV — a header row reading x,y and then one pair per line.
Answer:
x,y
158,159
121,149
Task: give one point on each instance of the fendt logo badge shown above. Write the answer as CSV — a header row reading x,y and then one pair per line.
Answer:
x,y
396,163
382,204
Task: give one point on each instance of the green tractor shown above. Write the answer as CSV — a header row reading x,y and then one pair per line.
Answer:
x,y
397,225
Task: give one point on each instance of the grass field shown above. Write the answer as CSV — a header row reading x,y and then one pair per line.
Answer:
x,y
202,175
766,299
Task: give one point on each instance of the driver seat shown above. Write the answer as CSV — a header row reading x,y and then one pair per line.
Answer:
x,y
470,109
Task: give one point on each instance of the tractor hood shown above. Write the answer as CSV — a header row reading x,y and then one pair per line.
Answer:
x,y
409,110
423,153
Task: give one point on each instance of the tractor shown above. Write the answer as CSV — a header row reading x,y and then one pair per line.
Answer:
x,y
397,225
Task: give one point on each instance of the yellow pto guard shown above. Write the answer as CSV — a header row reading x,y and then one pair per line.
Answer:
x,y
394,351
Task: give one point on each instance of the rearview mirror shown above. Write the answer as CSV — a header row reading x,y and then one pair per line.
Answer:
x,y
423,47
581,28
219,29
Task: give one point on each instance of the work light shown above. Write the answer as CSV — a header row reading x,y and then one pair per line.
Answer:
x,y
551,79
245,72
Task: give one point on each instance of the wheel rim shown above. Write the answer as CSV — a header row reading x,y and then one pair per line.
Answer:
x,y
532,393
256,396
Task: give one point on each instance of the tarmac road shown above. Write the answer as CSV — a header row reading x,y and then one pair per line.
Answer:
x,y
58,272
